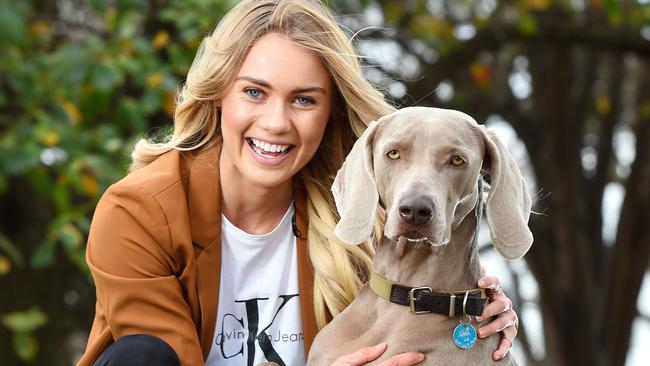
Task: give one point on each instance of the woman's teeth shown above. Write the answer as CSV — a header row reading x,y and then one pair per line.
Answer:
x,y
265,148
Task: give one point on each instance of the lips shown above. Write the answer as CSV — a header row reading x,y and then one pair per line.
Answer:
x,y
414,236
269,150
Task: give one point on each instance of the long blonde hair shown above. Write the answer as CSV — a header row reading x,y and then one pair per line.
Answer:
x,y
339,269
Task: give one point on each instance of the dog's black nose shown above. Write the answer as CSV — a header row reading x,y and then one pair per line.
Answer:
x,y
416,210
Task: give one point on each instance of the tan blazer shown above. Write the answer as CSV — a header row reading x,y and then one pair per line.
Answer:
x,y
155,256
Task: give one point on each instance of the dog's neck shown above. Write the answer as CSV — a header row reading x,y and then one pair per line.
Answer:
x,y
452,267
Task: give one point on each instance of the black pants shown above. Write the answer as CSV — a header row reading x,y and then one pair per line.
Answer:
x,y
138,350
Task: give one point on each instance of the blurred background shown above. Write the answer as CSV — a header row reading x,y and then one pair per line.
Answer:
x,y
566,83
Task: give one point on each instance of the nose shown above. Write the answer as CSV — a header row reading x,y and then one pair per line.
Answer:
x,y
416,210
276,118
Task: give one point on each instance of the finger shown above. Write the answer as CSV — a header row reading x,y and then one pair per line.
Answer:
x,y
505,344
489,282
495,308
362,356
503,321
404,359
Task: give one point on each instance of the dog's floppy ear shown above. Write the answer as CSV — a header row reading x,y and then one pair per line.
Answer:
x,y
355,191
508,204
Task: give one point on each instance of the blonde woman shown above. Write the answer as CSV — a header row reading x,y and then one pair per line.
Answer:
x,y
218,248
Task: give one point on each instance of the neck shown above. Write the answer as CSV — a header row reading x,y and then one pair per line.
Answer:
x,y
252,208
453,267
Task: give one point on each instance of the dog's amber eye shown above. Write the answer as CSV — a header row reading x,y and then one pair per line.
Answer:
x,y
393,154
457,161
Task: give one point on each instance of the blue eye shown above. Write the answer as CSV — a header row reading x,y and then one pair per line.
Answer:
x,y
305,101
253,93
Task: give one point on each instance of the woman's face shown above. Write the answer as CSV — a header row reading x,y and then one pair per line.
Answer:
x,y
274,115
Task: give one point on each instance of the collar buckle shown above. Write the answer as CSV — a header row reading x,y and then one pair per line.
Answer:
x,y
412,294
452,305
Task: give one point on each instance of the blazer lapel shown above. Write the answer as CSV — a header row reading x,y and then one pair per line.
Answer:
x,y
205,225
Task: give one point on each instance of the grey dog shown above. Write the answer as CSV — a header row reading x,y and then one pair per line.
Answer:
x,y
424,167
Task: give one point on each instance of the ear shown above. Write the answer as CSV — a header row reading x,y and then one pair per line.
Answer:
x,y
355,192
508,204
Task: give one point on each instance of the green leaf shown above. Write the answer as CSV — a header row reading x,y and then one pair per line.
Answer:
x,y
25,346
5,265
61,196
151,101
25,321
527,24
130,116
70,236
78,257
40,180
99,5
137,5
71,65
105,77
43,256
129,24
21,159
11,250
83,223
393,11
13,16
614,13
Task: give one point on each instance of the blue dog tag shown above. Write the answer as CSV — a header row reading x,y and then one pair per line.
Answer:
x,y
464,335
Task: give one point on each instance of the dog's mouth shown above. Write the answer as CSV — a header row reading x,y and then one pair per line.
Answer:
x,y
416,237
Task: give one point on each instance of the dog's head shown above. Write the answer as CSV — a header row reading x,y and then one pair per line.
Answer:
x,y
423,165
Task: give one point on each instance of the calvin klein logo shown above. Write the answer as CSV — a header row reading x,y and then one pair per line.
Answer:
x,y
255,335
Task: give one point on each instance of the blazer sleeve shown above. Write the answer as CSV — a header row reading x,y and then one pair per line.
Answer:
x,y
131,257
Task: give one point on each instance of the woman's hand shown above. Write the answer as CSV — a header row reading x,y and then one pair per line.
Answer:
x,y
506,320
367,354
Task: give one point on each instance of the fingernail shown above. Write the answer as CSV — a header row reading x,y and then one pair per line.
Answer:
x,y
420,357
481,282
380,346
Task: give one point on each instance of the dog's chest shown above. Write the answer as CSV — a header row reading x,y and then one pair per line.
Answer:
x,y
371,321
434,338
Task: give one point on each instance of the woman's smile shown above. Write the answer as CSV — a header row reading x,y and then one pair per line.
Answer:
x,y
269,153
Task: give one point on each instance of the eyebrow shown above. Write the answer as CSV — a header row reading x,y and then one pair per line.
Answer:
x,y
265,84
455,149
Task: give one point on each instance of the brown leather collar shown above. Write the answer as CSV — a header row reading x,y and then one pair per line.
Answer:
x,y
422,300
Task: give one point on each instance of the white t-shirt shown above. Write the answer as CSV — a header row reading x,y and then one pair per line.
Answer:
x,y
258,317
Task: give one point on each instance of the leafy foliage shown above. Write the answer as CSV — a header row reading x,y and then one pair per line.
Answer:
x,y
79,82
22,324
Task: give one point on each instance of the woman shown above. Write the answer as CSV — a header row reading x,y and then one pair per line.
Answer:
x,y
218,247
